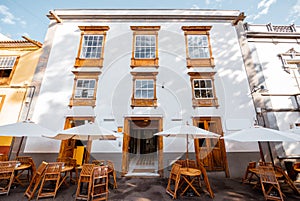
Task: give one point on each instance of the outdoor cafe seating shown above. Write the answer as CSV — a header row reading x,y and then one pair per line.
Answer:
x,y
84,184
100,184
268,178
25,163
7,169
186,176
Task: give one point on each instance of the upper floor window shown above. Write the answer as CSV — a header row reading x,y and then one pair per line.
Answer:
x,y
290,60
198,48
145,48
203,89
90,53
84,89
144,89
91,46
7,66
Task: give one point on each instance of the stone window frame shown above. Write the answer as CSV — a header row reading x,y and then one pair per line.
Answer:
x,y
144,62
143,102
91,62
203,102
84,101
198,62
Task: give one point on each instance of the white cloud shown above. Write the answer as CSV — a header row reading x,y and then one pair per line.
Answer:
x,y
295,12
8,18
264,6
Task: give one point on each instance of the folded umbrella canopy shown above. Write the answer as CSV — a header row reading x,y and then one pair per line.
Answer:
x,y
86,132
260,134
24,129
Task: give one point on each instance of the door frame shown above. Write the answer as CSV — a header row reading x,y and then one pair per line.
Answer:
x,y
220,142
126,139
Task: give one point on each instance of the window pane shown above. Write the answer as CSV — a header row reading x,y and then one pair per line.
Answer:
x,y
145,46
7,62
203,88
144,89
91,46
198,46
85,88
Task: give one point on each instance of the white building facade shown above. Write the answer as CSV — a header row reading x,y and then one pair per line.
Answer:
x,y
138,72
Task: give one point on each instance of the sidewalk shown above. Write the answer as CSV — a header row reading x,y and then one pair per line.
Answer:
x,y
153,189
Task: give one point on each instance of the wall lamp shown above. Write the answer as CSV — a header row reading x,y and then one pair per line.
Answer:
x,y
260,89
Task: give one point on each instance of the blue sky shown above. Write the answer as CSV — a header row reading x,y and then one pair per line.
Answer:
x,y
28,17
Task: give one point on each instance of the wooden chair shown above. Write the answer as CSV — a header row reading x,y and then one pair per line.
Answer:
x,y
35,180
26,160
269,184
174,179
98,162
3,157
68,161
51,180
6,175
249,174
206,181
100,184
85,182
112,172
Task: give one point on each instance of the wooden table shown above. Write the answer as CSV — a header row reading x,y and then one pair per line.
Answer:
x,y
189,176
18,172
65,170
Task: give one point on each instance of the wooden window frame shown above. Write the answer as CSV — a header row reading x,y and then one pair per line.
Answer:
x,y
69,119
6,80
84,101
198,62
144,62
2,98
91,30
203,102
143,102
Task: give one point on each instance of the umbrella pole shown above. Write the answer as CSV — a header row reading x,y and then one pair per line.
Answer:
x,y
19,147
187,152
261,152
270,151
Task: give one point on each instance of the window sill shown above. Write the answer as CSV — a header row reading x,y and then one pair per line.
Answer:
x,y
144,62
200,62
89,62
205,103
143,102
82,102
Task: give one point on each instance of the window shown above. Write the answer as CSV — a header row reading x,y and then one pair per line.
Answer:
x,y
198,48
145,48
144,89
203,89
2,97
92,41
290,60
77,121
85,89
7,65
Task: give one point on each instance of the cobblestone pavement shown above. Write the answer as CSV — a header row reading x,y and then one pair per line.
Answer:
x,y
153,189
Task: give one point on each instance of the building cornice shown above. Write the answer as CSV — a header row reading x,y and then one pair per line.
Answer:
x,y
232,16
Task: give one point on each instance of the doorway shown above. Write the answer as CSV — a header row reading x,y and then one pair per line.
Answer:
x,y
142,150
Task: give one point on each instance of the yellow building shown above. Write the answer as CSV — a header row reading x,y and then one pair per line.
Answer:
x,y
18,61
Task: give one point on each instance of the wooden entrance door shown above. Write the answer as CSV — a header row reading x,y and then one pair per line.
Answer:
x,y
67,147
211,152
138,141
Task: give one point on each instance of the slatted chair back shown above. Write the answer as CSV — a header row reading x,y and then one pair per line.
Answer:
x,y
98,162
112,172
173,181
85,181
3,157
249,174
6,175
100,184
50,181
263,163
181,162
35,180
269,183
68,161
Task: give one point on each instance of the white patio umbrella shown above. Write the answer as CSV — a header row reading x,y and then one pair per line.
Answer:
x,y
260,134
86,132
24,129
188,132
